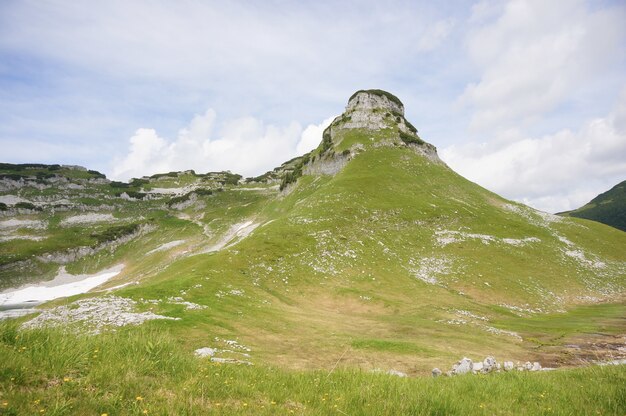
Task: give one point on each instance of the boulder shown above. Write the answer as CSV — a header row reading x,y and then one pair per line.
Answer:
x,y
477,367
436,372
462,367
489,364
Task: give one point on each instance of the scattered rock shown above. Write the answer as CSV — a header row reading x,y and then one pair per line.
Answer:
x,y
489,364
205,352
477,367
436,372
394,372
94,314
462,367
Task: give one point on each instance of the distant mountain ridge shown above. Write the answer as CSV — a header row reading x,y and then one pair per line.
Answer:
x,y
608,208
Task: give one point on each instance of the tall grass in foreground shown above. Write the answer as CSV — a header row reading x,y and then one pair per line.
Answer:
x,y
140,371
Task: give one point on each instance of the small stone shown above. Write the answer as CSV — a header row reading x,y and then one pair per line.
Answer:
x,y
508,365
528,366
536,367
393,372
436,372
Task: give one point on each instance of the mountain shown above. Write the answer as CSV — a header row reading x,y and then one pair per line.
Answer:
x,y
368,248
608,208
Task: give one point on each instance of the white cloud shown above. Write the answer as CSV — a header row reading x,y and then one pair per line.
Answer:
x,y
245,145
555,172
535,55
312,135
435,35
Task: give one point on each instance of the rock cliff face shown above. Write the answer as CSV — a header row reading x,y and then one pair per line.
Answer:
x,y
370,100
379,110
371,109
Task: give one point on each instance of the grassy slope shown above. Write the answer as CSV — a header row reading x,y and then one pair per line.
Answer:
x,y
329,279
608,208
331,273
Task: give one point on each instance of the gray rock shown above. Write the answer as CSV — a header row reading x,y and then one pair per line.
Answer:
x,y
536,367
397,373
489,364
205,352
463,366
436,372
508,365
528,366
477,367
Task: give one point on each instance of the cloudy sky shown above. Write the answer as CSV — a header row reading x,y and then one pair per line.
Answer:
x,y
526,98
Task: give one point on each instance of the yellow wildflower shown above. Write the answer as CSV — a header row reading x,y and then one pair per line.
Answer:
x,y
139,398
5,403
145,411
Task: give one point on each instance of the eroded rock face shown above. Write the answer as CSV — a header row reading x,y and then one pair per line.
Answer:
x,y
371,110
369,101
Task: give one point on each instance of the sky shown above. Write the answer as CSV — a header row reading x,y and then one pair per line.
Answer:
x,y
526,98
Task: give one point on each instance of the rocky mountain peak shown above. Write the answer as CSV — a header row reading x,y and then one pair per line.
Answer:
x,y
371,100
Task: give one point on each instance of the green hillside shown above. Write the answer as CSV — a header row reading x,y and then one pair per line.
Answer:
x,y
367,254
608,208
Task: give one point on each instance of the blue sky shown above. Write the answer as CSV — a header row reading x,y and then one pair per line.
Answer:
x,y
526,98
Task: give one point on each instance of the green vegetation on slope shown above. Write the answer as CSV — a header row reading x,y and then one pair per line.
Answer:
x,y
608,208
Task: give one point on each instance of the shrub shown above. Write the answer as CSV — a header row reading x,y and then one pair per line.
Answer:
x,y
27,205
113,233
409,139
97,174
116,184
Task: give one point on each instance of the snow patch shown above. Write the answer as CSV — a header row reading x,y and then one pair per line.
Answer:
x,y
62,285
